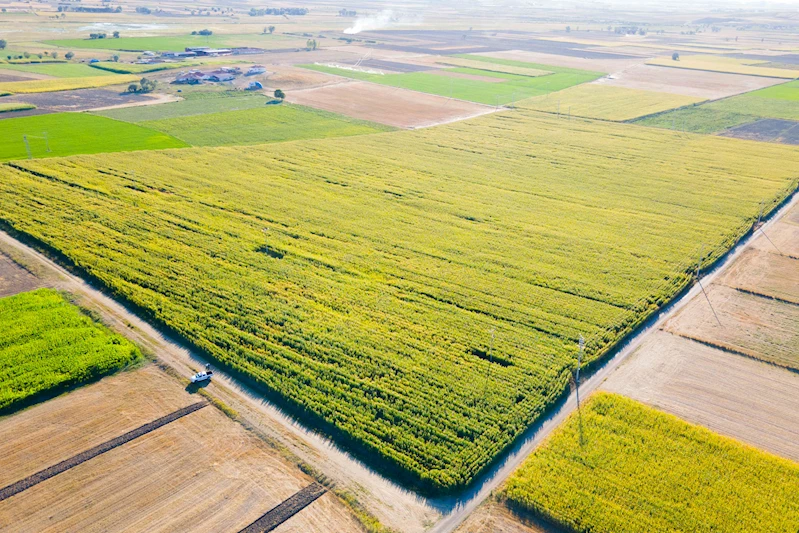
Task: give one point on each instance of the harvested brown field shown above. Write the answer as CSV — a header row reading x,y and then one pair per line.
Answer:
x,y
293,78
201,472
767,130
766,273
387,105
732,395
14,279
715,375
751,325
596,64
709,85
496,517
461,75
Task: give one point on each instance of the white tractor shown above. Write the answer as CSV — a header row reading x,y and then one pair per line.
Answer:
x,y
205,375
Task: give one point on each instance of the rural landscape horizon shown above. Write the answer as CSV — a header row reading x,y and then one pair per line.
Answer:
x,y
413,267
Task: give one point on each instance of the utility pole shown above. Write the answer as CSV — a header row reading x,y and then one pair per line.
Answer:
x,y
699,280
581,344
27,146
759,227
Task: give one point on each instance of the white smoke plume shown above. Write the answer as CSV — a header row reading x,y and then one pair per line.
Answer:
x,y
381,20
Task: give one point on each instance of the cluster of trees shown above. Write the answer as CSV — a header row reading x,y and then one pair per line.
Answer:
x,y
102,35
3,44
85,9
347,13
311,44
40,55
269,29
294,11
143,10
630,30
203,32
144,86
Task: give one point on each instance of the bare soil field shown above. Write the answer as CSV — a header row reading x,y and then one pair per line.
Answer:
x,y
732,395
387,105
769,274
79,100
15,279
603,64
202,472
290,78
495,517
751,325
709,85
767,130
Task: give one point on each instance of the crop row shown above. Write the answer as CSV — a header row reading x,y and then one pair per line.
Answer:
x,y
420,293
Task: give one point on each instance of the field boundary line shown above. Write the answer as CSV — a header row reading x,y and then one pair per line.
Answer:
x,y
286,509
91,453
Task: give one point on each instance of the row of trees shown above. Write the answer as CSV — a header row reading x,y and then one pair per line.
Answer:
x,y
115,35
294,11
203,32
40,55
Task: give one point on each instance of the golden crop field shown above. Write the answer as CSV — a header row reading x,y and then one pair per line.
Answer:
x,y
493,67
424,308
638,469
606,102
65,84
725,64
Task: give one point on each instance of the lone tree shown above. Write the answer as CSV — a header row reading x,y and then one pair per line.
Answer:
x,y
3,44
280,94
675,56
271,30
69,55
115,58
116,35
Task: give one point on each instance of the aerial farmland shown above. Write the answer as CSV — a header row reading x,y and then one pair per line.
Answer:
x,y
398,268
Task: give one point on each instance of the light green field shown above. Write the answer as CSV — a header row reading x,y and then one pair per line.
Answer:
x,y
48,345
185,108
264,124
512,88
638,470
418,295
779,101
76,133
173,43
59,70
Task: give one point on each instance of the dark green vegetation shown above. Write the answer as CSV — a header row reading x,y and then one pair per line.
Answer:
x,y
76,133
638,469
361,280
779,101
48,345
273,123
511,88
15,106
135,68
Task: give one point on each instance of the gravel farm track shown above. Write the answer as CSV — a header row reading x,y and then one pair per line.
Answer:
x,y
394,506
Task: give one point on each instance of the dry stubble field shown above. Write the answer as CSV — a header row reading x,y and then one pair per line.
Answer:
x,y
202,472
717,375
387,105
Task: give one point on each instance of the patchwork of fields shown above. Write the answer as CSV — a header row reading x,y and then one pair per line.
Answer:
x,y
48,344
503,88
779,102
426,308
637,469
